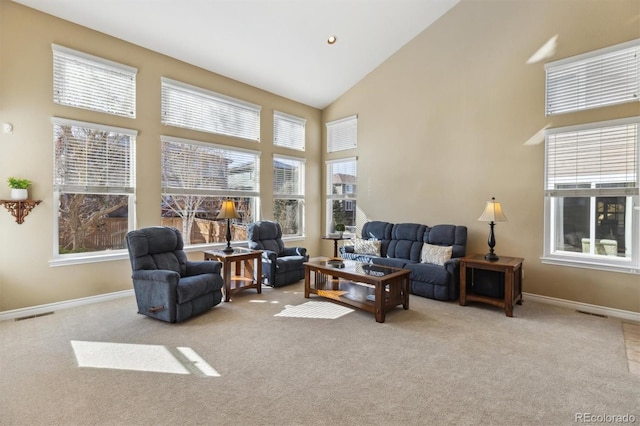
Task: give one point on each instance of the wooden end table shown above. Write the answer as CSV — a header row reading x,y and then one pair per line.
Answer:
x,y
335,243
508,271
238,269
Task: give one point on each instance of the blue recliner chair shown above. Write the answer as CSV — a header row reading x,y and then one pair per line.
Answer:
x,y
281,265
167,286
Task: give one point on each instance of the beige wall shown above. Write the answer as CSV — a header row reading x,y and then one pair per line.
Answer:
x,y
26,279
442,127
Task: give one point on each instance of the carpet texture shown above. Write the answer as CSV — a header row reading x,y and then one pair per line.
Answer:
x,y
435,364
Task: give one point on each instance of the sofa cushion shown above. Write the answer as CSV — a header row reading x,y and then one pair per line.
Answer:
x,y
428,273
371,247
438,255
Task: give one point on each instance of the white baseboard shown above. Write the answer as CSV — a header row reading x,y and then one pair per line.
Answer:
x,y
584,307
51,307
45,309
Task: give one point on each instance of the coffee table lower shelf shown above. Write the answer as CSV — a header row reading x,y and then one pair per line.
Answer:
x,y
371,288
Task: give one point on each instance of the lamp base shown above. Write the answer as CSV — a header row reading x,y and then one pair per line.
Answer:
x,y
228,250
491,257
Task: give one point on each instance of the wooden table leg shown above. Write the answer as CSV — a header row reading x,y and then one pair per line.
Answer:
x,y
307,282
508,292
227,280
379,302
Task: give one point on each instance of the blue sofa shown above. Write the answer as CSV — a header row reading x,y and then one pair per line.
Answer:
x,y
401,246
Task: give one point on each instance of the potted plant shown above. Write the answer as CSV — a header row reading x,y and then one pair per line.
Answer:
x,y
340,228
19,188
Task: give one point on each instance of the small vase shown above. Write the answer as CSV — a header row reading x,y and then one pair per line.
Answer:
x,y
19,194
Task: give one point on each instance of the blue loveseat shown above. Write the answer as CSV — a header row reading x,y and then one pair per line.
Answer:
x,y
403,245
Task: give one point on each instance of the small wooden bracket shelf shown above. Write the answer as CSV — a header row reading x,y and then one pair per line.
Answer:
x,y
20,209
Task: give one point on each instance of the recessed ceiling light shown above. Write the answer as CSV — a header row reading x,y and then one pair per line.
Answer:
x,y
332,39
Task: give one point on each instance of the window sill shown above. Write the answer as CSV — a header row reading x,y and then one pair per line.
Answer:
x,y
626,267
89,258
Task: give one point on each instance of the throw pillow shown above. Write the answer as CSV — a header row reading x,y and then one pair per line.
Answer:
x,y
437,255
370,247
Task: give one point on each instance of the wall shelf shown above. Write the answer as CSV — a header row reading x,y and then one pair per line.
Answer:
x,y
20,208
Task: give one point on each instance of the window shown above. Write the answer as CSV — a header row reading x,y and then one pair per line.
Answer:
x,y
288,193
288,131
342,134
85,81
341,192
194,108
197,177
605,77
591,188
94,184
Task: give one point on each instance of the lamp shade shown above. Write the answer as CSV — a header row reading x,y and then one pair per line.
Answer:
x,y
493,212
228,210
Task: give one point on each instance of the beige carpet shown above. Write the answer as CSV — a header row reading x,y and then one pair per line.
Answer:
x,y
255,361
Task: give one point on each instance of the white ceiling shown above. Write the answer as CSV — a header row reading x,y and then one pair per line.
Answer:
x,y
276,45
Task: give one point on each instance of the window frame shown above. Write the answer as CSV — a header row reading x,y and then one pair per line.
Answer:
x,y
342,134
292,136
93,83
222,192
351,197
201,106
298,195
553,196
59,188
604,77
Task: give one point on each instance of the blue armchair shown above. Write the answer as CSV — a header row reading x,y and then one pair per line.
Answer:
x,y
281,265
167,286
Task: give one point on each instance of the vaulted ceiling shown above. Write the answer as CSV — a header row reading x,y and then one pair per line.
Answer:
x,y
276,45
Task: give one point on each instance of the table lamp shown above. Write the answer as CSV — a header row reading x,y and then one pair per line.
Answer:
x,y
492,213
228,211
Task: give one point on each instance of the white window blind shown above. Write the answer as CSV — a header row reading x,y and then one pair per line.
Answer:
x,y
600,78
288,177
195,108
84,81
288,131
193,167
93,158
596,159
342,134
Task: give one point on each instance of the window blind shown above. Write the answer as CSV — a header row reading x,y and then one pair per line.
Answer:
x,y
93,158
288,131
593,160
199,168
342,134
288,177
84,81
195,108
605,77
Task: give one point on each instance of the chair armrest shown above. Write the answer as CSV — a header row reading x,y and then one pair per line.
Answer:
x,y
203,267
453,266
160,279
295,251
269,255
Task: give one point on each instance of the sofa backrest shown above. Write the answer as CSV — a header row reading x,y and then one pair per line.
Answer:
x,y
448,235
406,241
157,247
380,231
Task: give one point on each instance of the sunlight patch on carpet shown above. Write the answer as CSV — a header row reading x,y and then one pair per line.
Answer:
x,y
153,358
325,310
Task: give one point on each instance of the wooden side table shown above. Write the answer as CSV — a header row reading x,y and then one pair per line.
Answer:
x,y
238,269
335,243
506,275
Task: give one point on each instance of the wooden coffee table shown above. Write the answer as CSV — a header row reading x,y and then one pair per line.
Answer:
x,y
238,269
373,288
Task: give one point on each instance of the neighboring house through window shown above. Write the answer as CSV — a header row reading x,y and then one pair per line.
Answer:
x,y
341,174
